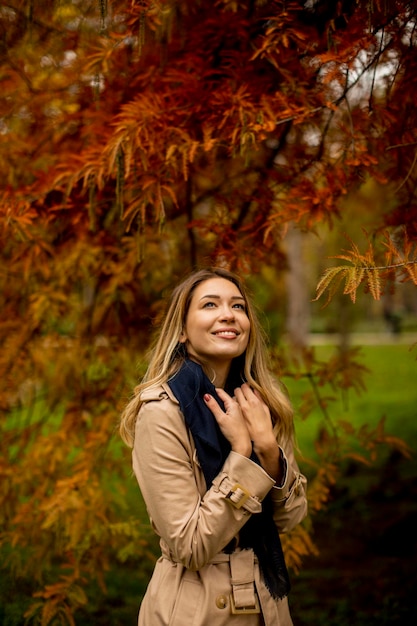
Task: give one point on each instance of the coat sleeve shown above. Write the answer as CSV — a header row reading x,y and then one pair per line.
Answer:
x,y
195,526
290,498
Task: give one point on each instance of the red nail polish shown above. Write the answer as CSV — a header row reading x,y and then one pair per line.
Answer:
x,y
207,397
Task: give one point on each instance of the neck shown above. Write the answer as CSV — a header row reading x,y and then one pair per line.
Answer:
x,y
220,374
217,373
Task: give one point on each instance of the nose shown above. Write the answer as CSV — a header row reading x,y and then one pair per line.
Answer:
x,y
227,314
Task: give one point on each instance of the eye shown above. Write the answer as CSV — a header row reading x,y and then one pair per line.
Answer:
x,y
208,305
239,305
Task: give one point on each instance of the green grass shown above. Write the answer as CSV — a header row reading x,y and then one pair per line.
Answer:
x,y
391,392
365,571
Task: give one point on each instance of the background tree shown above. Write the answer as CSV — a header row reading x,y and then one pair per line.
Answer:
x,y
141,139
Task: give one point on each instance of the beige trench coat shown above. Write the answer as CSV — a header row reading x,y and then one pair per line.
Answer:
x,y
194,583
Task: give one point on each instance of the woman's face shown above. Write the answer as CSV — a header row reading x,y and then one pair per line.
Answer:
x,y
217,327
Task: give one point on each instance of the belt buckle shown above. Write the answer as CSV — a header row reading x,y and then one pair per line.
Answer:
x,y
248,610
242,495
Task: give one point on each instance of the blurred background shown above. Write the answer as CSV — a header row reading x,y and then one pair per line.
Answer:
x,y
140,140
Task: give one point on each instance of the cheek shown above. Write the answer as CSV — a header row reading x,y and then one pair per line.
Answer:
x,y
246,329
246,326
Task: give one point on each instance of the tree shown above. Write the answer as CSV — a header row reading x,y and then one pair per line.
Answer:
x,y
140,139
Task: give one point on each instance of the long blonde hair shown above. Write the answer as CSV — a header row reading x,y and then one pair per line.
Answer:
x,y
167,357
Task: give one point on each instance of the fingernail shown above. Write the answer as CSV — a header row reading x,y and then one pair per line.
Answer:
x,y
207,397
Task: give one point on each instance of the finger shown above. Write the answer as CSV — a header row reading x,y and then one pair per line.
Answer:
x,y
239,393
224,396
213,405
246,394
259,396
247,391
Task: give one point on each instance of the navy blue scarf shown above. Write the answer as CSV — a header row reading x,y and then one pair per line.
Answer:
x,y
189,385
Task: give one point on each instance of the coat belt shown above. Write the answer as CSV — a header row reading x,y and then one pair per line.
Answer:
x,y
243,598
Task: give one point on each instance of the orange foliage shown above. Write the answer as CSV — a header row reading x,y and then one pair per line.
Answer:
x,y
139,139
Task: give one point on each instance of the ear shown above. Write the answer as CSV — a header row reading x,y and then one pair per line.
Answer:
x,y
183,337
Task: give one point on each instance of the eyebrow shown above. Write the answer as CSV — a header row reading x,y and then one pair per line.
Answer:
x,y
218,297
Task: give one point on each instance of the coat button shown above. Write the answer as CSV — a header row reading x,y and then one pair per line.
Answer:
x,y
221,602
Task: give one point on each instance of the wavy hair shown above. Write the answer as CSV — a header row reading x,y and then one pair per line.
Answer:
x,y
167,356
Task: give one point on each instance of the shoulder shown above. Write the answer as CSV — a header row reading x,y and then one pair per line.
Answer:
x,y
159,415
157,393
158,403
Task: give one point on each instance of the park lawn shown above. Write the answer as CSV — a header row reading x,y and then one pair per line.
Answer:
x,y
365,535
391,393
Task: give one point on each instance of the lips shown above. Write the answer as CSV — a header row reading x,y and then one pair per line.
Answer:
x,y
226,332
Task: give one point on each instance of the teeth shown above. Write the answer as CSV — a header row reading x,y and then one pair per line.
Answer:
x,y
227,333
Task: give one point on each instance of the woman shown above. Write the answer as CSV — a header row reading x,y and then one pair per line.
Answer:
x,y
212,451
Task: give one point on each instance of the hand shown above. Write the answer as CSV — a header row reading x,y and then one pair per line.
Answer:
x,y
258,421
231,422
257,417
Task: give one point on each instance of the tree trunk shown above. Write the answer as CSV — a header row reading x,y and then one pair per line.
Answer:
x,y
298,301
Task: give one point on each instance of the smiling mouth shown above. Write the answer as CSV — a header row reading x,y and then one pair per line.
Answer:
x,y
226,333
